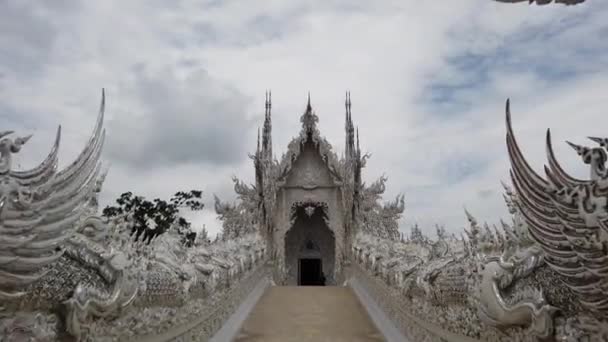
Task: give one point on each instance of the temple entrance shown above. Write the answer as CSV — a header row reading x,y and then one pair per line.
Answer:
x,y
310,272
309,247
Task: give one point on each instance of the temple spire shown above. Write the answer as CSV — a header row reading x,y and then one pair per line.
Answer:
x,y
267,133
308,106
349,128
309,118
358,146
258,148
266,104
346,147
348,105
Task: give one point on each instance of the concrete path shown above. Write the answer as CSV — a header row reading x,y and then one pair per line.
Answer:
x,y
308,313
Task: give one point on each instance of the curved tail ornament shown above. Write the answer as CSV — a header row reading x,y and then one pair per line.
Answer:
x,y
40,207
568,218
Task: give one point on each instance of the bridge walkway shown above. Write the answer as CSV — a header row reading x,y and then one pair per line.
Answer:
x,y
308,313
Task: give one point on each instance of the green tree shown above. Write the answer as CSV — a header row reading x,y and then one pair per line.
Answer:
x,y
153,218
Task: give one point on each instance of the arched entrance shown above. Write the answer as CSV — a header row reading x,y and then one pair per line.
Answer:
x,y
309,246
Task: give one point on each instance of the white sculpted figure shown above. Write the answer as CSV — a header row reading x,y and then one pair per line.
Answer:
x,y
39,208
568,218
60,262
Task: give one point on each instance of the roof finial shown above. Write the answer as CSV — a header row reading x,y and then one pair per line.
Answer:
x,y
308,106
258,149
347,106
348,103
267,131
358,147
268,104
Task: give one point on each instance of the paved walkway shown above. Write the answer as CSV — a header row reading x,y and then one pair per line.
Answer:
x,y
308,313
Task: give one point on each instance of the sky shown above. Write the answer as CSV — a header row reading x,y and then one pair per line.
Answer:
x,y
185,83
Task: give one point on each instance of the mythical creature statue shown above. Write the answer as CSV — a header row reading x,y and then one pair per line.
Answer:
x,y
463,291
568,219
377,218
238,219
66,272
540,277
39,208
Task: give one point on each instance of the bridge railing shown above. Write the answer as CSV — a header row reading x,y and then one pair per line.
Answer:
x,y
453,296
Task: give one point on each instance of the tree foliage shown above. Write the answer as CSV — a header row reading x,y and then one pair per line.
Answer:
x,y
153,218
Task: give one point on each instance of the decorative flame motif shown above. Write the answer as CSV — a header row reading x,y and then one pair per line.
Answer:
x,y
39,208
568,218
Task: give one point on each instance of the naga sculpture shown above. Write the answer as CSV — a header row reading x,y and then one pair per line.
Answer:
x,y
376,218
568,218
39,208
541,277
65,272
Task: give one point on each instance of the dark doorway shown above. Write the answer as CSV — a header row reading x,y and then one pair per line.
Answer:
x,y
309,238
311,273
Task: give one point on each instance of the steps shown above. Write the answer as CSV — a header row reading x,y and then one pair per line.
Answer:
x,y
308,313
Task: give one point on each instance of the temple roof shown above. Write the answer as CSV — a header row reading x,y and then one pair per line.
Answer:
x,y
309,132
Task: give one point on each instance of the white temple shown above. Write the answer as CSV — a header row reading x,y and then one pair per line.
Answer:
x,y
67,274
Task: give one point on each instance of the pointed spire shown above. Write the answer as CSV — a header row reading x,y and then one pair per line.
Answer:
x,y
346,102
358,147
348,105
349,128
267,132
258,148
347,111
268,104
309,119
347,142
308,106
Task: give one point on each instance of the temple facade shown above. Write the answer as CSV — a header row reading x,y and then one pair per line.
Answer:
x,y
308,204
307,201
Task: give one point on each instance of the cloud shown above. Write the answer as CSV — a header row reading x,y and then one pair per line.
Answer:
x,y
26,27
194,120
486,193
185,82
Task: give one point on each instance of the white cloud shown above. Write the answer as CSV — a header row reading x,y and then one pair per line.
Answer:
x,y
428,83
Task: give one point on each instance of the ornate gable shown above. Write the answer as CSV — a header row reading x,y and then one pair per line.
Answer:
x,y
309,159
309,171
